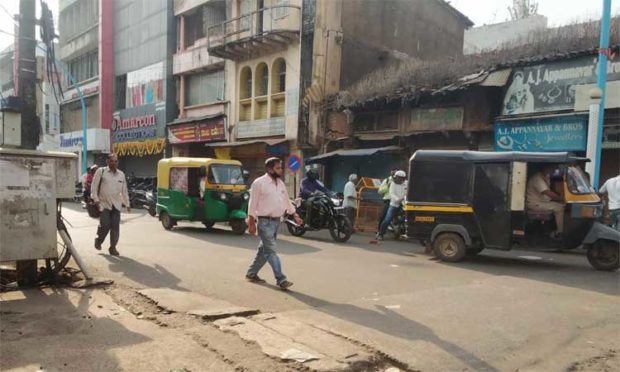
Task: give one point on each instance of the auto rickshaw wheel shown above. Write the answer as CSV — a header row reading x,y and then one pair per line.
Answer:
x,y
238,226
604,255
166,221
449,247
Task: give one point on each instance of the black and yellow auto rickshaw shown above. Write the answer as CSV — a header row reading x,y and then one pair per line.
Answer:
x,y
202,189
462,202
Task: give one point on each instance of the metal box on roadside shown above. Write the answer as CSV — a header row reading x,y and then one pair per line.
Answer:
x,y
30,183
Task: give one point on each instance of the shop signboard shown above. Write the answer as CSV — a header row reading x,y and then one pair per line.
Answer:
x,y
210,131
436,119
552,86
545,134
137,128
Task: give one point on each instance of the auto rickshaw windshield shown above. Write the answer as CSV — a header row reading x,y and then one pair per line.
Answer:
x,y
577,181
225,174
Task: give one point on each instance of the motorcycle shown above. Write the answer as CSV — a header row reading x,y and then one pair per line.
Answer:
x,y
151,200
328,214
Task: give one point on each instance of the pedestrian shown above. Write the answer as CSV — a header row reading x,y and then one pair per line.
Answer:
x,y
88,181
109,192
269,201
611,188
350,199
398,191
384,192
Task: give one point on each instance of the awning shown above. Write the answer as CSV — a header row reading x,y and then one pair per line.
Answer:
x,y
376,136
268,142
351,153
497,78
195,119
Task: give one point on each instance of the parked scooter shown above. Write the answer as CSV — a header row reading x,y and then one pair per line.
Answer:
x,y
328,214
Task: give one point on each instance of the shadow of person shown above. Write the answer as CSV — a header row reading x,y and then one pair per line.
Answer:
x,y
394,324
155,276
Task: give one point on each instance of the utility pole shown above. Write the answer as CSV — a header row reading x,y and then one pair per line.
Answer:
x,y
27,74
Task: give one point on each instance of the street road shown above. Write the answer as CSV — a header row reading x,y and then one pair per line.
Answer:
x,y
497,311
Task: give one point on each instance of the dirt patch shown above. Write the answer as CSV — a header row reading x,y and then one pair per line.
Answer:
x,y
609,361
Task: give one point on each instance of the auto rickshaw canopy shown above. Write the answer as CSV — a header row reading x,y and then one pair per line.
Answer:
x,y
492,157
164,166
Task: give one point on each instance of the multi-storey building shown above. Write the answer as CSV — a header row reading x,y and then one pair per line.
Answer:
x,y
85,27
203,106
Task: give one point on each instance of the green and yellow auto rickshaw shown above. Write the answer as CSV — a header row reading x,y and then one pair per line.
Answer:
x,y
202,189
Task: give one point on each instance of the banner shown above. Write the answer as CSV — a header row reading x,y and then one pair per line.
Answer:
x,y
560,133
197,132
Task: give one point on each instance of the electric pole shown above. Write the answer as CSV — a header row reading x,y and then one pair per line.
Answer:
x,y
27,74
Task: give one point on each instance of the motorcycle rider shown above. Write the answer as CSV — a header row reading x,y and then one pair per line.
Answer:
x,y
309,185
398,191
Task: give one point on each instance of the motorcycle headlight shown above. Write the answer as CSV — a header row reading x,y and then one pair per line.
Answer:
x,y
336,202
246,196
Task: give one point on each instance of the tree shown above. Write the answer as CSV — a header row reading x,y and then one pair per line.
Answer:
x,y
522,9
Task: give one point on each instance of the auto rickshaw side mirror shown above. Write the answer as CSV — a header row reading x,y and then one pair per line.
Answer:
x,y
203,171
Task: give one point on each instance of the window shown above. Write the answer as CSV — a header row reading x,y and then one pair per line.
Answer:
x,y
376,121
83,67
440,182
245,80
78,17
226,175
204,88
281,10
278,77
245,8
194,27
262,80
121,92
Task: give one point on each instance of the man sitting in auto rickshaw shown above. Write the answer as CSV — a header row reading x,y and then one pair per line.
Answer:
x,y
539,197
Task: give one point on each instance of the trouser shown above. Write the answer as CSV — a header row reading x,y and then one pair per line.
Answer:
x,y
615,218
351,213
558,212
388,218
268,233
386,206
109,221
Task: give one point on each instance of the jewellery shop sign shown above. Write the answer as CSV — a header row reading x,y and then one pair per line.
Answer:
x,y
134,129
552,86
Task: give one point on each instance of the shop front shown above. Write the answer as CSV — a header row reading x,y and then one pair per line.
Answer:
x,y
98,142
138,140
188,137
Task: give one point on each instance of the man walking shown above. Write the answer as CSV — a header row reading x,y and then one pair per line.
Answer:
x,y
269,201
384,192
109,192
398,192
350,199
611,188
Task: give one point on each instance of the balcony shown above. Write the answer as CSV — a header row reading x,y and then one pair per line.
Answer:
x,y
260,32
195,57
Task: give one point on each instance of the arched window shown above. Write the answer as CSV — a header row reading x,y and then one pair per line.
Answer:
x,y
278,76
245,83
262,80
245,94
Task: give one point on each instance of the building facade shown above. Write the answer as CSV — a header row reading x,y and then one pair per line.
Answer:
x,y
201,98
144,90
81,52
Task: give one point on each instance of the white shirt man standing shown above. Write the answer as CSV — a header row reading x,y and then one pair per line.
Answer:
x,y
611,188
350,199
109,192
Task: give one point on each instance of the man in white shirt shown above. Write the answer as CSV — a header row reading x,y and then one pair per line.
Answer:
x,y
398,192
109,192
611,188
540,197
350,199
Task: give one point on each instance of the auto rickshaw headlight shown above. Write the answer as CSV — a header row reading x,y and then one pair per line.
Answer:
x,y
223,197
246,196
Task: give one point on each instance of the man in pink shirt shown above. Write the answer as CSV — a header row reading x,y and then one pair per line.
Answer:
x,y
268,202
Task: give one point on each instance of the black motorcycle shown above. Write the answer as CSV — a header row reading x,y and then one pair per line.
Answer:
x,y
328,213
151,200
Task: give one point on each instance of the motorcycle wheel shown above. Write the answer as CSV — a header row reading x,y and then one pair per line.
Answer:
x,y
295,231
340,229
152,211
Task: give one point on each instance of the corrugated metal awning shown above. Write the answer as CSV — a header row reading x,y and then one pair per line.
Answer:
x,y
348,153
497,78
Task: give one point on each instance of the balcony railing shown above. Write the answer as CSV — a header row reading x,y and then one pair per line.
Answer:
x,y
255,33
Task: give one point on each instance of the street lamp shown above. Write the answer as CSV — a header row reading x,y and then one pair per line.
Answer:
x,y
593,128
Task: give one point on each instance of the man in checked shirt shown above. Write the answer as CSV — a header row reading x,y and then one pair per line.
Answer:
x,y
268,202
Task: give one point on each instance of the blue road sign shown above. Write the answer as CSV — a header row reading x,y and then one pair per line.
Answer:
x,y
294,163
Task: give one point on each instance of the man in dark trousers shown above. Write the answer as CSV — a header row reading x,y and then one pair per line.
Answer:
x,y
109,192
269,201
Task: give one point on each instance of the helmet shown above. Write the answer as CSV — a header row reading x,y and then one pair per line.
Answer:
x,y
313,174
400,174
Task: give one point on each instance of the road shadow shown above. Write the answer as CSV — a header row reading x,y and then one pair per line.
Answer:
x,y
155,276
566,269
222,236
391,323
46,330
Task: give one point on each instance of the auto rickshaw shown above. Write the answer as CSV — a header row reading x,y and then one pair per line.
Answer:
x,y
462,202
202,189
